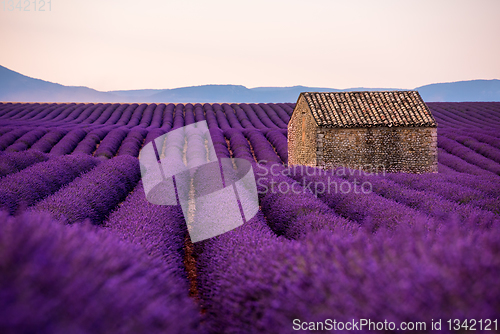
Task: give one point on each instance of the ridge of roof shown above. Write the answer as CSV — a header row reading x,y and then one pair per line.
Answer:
x,y
369,109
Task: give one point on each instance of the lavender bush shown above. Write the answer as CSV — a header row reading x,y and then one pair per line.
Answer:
x,y
77,279
69,142
16,161
30,185
111,143
414,273
133,142
402,247
95,194
47,142
91,140
26,141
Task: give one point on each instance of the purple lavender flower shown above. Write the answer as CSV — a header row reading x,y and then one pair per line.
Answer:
x,y
79,279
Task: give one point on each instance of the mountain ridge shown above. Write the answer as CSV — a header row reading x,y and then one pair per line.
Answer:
x,y
16,87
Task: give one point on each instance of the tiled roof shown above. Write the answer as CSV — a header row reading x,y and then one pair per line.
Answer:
x,y
369,109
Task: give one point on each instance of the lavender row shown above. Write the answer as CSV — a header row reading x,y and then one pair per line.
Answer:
x,y
157,118
488,185
462,120
133,142
199,113
430,197
42,114
242,117
64,109
222,118
459,193
273,116
168,117
79,279
49,140
461,165
291,211
126,115
49,113
26,141
262,116
280,111
25,188
160,230
279,141
153,134
443,169
102,110
147,116
30,109
468,155
84,113
70,114
12,109
17,161
485,138
10,137
220,144
5,129
239,145
111,143
252,117
178,118
89,143
481,148
95,194
231,117
69,142
214,257
354,200
266,287
116,115
290,207
445,120
189,114
262,149
474,114
135,119
210,116
485,111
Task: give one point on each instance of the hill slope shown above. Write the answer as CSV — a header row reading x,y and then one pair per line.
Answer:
x,y
17,87
461,91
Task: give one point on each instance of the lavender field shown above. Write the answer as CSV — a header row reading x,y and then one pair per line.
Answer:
x,y
83,251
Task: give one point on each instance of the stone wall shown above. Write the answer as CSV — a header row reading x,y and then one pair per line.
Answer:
x,y
302,136
397,149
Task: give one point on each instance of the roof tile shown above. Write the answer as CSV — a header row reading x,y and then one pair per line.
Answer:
x,y
369,109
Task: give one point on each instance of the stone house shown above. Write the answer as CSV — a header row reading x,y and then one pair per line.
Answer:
x,y
390,130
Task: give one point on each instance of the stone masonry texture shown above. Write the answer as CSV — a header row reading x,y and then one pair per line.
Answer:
x,y
411,148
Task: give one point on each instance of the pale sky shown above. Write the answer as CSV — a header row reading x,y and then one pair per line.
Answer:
x,y
122,44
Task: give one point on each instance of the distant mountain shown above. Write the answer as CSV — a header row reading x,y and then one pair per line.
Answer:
x,y
20,88
229,93
226,93
461,91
